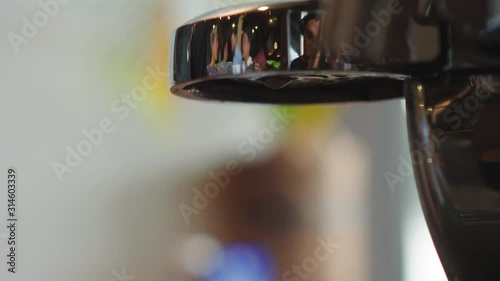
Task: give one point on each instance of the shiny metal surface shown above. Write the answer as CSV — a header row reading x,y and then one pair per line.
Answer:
x,y
283,42
454,131
260,52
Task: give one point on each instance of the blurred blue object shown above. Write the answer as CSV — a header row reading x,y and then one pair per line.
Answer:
x,y
243,262
238,56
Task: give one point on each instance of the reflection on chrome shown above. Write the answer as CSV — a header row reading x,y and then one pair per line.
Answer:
x,y
294,38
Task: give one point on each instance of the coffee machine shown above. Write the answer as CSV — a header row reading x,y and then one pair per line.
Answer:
x,y
441,56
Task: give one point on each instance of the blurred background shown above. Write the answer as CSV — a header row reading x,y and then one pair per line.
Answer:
x,y
174,189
